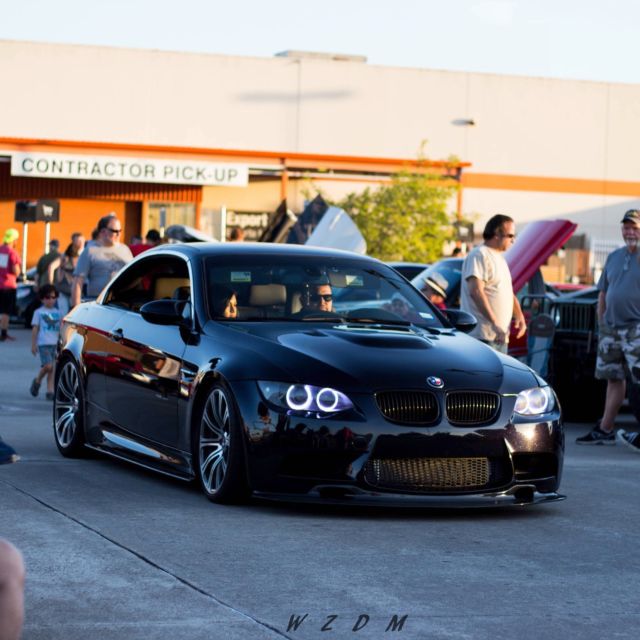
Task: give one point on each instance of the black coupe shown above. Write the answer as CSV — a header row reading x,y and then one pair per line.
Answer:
x,y
303,374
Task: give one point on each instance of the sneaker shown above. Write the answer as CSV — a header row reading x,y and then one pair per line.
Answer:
x,y
629,439
49,395
597,436
34,389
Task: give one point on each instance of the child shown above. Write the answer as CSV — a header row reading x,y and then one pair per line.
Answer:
x,y
44,338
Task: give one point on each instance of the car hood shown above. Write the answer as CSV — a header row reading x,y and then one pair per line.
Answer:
x,y
365,359
537,241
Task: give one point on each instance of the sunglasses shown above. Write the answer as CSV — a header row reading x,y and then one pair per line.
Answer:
x,y
52,297
327,297
114,230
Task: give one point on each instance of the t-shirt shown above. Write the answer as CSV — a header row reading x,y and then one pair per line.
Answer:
x,y
98,264
48,323
9,258
620,281
488,265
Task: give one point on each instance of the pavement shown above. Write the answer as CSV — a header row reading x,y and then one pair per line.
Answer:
x,y
119,553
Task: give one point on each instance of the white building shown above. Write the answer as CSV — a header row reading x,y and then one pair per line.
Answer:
x,y
529,147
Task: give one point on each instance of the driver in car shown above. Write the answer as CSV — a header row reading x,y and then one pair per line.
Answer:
x,y
316,297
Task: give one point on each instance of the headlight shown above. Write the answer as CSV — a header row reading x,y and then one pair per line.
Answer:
x,y
304,398
535,401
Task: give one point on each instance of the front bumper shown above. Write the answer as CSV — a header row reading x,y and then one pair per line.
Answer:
x,y
336,460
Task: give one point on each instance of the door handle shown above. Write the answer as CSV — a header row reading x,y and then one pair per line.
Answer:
x,y
117,335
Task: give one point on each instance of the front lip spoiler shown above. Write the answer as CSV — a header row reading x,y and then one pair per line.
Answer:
x,y
514,497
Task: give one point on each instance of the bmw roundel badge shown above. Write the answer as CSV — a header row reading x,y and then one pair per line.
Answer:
x,y
435,382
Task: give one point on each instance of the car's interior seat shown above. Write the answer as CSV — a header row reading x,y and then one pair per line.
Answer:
x,y
165,286
296,302
268,300
182,293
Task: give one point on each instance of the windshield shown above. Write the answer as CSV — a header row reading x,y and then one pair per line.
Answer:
x,y
303,289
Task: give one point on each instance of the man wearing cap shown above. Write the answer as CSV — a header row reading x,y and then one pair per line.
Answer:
x,y
486,289
9,272
619,326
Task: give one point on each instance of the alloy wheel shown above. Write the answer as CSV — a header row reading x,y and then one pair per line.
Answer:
x,y
214,442
67,405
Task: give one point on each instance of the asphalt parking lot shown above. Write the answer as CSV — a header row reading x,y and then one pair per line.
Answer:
x,y
115,552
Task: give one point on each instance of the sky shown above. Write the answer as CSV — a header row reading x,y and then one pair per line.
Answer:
x,y
576,39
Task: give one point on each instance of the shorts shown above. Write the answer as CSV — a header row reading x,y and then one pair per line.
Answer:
x,y
7,301
618,352
47,354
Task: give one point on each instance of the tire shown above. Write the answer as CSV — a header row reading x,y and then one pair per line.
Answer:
x,y
218,449
69,411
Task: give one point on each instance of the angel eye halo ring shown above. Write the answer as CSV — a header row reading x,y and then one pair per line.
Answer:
x,y
305,398
534,401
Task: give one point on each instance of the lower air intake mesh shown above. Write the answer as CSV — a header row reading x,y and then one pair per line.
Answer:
x,y
428,474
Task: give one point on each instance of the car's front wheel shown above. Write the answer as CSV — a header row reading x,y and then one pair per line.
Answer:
x,y
68,411
219,453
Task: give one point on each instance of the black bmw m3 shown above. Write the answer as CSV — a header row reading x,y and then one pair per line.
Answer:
x,y
303,374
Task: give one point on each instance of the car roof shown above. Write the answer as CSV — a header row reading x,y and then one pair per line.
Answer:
x,y
203,249
400,263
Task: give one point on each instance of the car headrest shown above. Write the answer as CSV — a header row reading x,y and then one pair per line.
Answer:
x,y
296,302
165,286
262,295
182,293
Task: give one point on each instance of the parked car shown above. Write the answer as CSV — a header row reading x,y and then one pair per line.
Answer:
x,y
572,354
409,269
569,287
584,293
357,404
571,351
534,245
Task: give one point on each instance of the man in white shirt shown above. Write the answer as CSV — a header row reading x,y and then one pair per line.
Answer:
x,y
487,291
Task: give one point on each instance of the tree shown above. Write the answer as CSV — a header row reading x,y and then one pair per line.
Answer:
x,y
406,219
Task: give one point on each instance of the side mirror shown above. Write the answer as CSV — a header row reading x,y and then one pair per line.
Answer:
x,y
164,311
461,320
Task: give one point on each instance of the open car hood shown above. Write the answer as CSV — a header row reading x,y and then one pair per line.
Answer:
x,y
336,230
538,240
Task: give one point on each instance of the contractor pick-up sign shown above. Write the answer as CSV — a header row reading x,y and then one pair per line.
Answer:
x,y
128,169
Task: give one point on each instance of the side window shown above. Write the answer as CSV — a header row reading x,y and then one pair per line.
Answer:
x,y
153,278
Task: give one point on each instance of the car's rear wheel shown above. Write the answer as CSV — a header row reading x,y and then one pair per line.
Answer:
x,y
68,411
219,452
